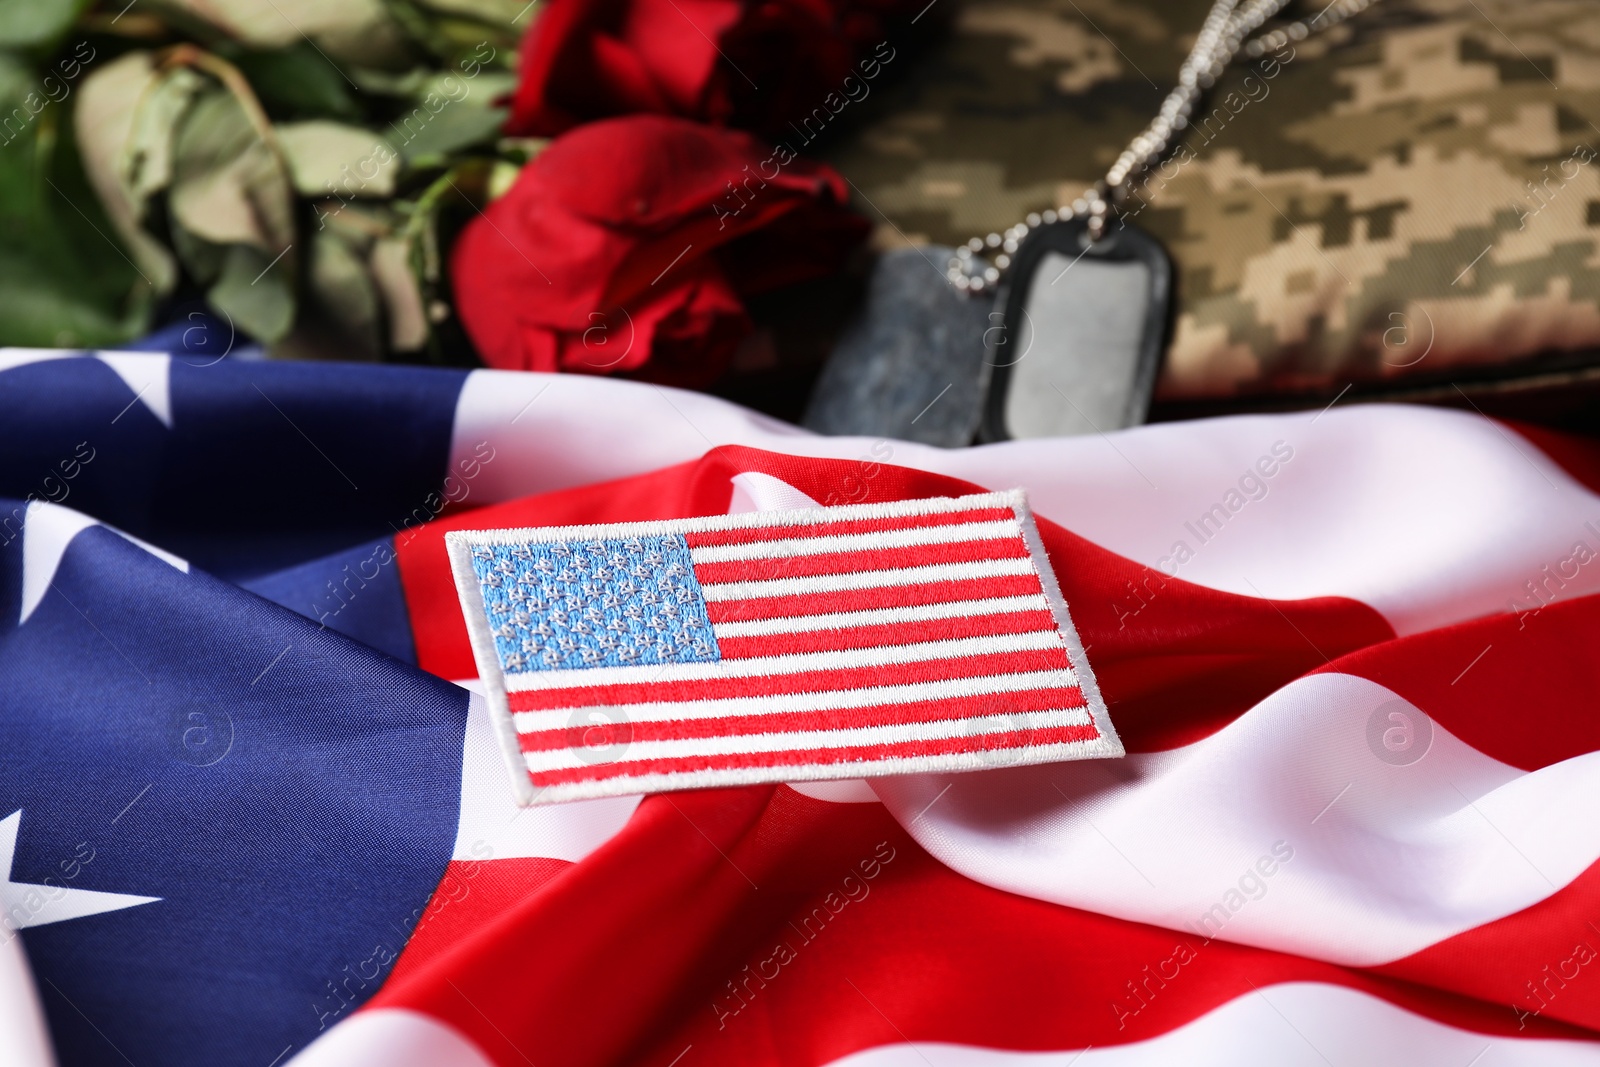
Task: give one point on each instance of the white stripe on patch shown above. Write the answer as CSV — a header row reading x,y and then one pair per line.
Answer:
x,y
863,542
832,583
801,662
955,609
828,700
804,742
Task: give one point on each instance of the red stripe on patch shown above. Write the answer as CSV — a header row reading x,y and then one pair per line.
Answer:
x,y
605,735
849,526
876,559
1009,739
896,596
938,670
899,633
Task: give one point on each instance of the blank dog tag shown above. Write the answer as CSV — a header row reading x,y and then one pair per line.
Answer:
x,y
1082,329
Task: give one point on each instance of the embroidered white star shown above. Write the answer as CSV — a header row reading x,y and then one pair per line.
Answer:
x,y
24,904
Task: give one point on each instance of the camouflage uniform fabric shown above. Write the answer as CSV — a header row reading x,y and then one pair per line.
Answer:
x,y
1413,193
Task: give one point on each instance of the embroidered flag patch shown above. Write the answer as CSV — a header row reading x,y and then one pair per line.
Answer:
x,y
842,642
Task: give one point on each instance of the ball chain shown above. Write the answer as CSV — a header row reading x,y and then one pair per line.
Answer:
x,y
1221,38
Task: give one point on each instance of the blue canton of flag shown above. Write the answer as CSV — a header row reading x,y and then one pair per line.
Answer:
x,y
607,602
203,845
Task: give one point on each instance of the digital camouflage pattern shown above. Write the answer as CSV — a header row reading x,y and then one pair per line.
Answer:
x,y
1408,194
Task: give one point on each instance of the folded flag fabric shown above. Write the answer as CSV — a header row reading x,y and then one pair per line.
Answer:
x,y
253,809
818,643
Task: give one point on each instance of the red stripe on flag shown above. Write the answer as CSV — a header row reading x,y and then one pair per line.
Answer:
x,y
1007,971
1495,961
939,670
903,633
985,704
896,596
1557,673
750,535
876,559
1008,739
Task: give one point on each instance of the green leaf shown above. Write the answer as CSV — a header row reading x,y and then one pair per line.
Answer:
x,y
345,293
495,12
34,23
455,127
405,83
348,33
402,297
202,259
283,22
46,306
329,158
255,294
64,278
468,35
501,178
297,83
147,156
229,186
449,111
107,107
480,90
16,79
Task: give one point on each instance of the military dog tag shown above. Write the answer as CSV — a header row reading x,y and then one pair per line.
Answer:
x,y
911,364
1083,325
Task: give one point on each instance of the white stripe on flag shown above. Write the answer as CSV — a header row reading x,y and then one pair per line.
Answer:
x,y
863,542
959,648
830,583
1331,1024
1408,856
828,700
966,609
801,742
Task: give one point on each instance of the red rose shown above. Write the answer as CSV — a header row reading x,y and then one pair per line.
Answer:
x,y
795,50
586,59
626,244
755,64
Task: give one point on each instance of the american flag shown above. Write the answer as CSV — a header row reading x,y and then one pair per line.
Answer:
x,y
896,638
250,812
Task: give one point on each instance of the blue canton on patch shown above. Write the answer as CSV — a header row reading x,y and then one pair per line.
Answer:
x,y
610,602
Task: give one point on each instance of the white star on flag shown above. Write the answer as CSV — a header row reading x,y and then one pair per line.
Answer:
x,y
46,532
25,904
148,374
